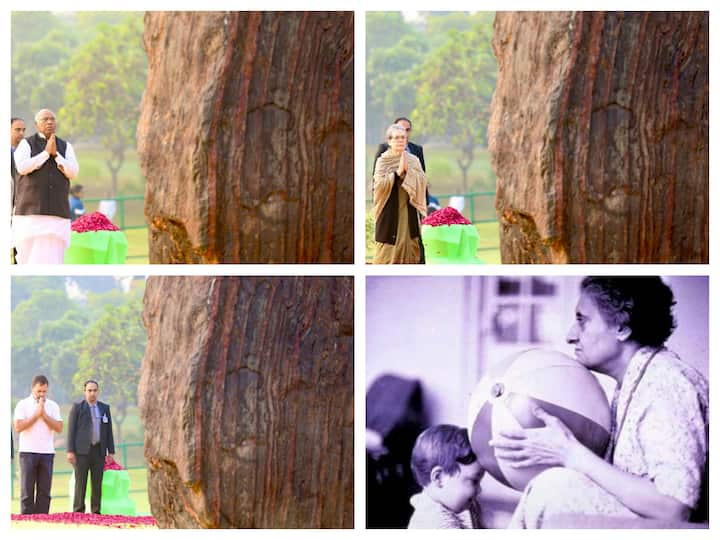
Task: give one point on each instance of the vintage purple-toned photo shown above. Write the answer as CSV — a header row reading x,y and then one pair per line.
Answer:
x,y
537,402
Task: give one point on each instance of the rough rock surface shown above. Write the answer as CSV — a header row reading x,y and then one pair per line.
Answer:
x,y
246,395
246,137
599,137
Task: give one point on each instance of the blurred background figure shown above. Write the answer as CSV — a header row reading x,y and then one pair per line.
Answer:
x,y
77,208
395,416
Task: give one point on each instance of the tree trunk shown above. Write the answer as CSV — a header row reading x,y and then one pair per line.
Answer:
x,y
599,137
246,137
246,395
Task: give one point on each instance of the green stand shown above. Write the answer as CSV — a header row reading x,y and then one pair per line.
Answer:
x,y
97,247
115,489
451,244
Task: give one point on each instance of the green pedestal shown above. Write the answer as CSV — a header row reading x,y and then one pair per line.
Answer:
x,y
451,244
97,247
115,489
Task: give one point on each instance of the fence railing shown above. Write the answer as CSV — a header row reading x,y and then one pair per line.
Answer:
x,y
122,210
479,208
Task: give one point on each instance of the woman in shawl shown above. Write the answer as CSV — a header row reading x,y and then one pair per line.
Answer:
x,y
399,185
656,463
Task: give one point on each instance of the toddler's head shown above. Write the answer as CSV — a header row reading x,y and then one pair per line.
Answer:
x,y
446,467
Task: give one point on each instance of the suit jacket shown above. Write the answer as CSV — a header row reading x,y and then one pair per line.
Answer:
x,y
80,428
415,149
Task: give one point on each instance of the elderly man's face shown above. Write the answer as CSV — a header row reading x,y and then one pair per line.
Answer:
x,y
17,132
46,123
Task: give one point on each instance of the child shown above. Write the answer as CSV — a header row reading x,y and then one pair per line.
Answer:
x,y
448,471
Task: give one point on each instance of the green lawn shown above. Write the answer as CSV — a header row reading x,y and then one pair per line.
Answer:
x,y
488,248
95,177
62,500
137,246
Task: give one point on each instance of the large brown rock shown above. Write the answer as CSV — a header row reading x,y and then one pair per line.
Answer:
x,y
599,137
246,395
246,137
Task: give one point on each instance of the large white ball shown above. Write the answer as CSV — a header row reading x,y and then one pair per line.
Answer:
x,y
506,396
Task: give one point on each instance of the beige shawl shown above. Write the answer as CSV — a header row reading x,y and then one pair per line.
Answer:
x,y
415,183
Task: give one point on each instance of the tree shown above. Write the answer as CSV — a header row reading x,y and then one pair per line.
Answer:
x,y
111,352
259,168
394,47
38,324
103,88
36,73
454,91
24,287
392,73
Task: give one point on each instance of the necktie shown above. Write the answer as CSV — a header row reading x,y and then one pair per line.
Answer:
x,y
96,424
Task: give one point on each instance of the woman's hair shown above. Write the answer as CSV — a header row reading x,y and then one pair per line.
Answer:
x,y
392,129
443,446
641,303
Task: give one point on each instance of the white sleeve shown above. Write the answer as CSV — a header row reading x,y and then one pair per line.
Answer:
x,y
69,162
19,413
55,412
26,164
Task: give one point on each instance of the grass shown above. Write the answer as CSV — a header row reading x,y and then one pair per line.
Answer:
x,y
62,499
488,248
96,180
95,176
137,246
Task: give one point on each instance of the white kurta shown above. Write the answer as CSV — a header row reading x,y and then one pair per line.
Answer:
x,y
42,239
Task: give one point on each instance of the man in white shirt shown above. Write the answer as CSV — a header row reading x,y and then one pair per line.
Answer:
x,y
41,222
36,420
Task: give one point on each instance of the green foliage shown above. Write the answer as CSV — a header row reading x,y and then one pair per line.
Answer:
x,y
88,67
384,29
23,288
37,68
454,92
103,88
439,71
71,339
396,69
111,352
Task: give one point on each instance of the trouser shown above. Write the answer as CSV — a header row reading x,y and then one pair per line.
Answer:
x,y
94,462
45,249
35,481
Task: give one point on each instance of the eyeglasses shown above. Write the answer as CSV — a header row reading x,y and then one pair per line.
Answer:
x,y
398,138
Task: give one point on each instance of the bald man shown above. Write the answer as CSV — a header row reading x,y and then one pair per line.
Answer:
x,y
41,222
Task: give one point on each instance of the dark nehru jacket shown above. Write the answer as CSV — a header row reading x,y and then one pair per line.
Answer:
x,y
386,226
44,191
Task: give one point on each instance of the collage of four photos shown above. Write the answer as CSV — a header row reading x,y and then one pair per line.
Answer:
x,y
202,242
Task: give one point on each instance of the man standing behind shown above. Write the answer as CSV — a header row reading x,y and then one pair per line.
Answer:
x,y
17,132
36,419
90,445
45,165
414,149
417,151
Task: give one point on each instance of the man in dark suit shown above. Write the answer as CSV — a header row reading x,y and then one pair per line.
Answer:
x,y
90,445
417,151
